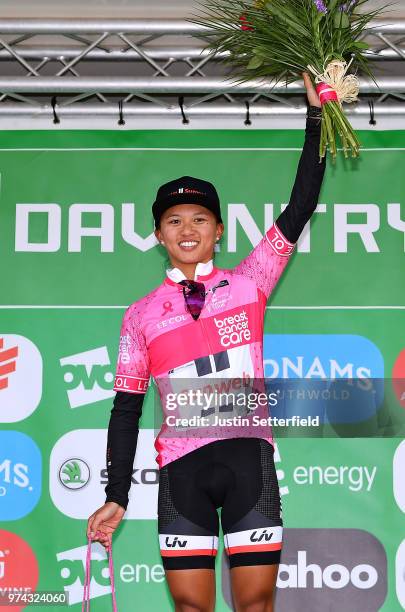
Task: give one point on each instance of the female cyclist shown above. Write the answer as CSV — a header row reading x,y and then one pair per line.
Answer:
x,y
203,321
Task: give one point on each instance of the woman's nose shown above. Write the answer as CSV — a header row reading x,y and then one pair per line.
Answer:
x,y
187,229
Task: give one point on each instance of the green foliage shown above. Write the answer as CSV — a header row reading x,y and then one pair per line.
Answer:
x,y
286,36
277,40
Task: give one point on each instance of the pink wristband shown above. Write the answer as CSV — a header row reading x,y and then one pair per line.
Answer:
x,y
326,93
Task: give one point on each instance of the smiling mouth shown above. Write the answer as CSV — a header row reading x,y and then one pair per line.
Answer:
x,y
188,245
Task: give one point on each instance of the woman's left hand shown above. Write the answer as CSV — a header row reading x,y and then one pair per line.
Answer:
x,y
312,96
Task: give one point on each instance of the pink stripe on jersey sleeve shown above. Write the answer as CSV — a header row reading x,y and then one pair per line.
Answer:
x,y
278,242
267,261
133,366
130,384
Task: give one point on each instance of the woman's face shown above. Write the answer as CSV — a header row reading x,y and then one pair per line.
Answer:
x,y
189,233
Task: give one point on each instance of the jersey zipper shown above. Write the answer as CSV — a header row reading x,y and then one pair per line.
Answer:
x,y
205,335
203,328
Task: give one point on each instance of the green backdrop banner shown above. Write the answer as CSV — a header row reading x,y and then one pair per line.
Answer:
x,y
77,246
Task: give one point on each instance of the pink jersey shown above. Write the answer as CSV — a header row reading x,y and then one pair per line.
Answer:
x,y
159,338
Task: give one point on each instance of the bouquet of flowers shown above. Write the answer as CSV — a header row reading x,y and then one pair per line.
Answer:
x,y
281,39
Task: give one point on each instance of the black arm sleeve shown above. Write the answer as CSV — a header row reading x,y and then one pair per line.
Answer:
x,y
308,181
122,438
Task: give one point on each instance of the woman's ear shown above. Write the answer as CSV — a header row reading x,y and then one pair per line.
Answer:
x,y
220,231
158,236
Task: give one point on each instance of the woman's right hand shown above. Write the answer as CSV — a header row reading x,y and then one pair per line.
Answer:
x,y
103,522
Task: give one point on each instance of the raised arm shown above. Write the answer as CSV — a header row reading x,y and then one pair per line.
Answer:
x,y
267,261
308,181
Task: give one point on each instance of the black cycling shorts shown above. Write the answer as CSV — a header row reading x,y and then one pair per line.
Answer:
x,y
236,475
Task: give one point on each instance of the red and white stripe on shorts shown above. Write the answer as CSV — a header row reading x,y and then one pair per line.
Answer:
x,y
187,545
254,540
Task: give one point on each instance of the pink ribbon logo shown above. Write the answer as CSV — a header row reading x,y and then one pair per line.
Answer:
x,y
167,308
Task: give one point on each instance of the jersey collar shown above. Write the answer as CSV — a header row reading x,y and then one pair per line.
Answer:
x,y
203,271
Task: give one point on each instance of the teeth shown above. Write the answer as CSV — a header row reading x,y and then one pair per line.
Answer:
x,y
188,244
